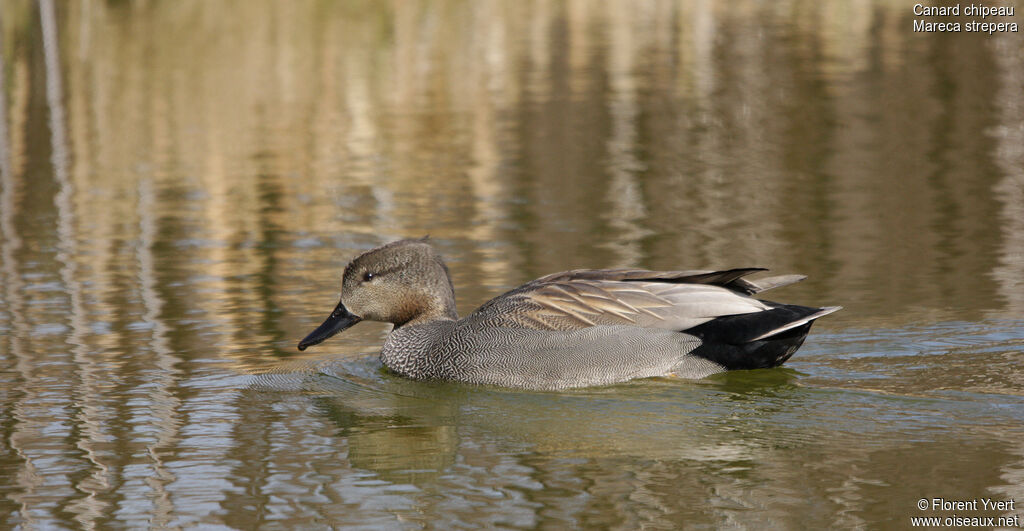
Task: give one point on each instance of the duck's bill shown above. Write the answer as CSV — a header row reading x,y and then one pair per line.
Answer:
x,y
339,320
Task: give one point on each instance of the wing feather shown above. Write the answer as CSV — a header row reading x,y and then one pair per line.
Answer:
x,y
675,300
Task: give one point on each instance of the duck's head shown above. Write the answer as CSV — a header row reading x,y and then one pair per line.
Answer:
x,y
403,282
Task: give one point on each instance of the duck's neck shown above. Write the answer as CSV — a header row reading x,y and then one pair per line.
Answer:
x,y
434,301
448,314
430,309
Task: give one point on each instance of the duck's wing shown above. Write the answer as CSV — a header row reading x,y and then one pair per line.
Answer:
x,y
726,278
669,300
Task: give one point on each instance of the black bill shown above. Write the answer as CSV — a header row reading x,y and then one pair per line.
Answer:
x,y
339,320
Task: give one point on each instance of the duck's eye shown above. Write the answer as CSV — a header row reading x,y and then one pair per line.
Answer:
x,y
368,276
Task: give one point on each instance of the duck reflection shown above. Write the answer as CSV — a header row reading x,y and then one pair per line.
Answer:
x,y
410,432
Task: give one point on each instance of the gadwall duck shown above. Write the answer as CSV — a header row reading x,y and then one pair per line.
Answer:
x,y
572,329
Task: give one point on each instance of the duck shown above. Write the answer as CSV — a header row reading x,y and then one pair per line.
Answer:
x,y
578,328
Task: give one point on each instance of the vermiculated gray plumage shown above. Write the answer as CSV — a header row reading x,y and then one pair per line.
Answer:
x,y
540,359
572,329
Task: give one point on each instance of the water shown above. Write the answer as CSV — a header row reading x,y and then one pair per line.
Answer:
x,y
182,182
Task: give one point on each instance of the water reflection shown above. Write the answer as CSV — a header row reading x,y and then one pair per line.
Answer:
x,y
165,404
180,183
660,453
1009,158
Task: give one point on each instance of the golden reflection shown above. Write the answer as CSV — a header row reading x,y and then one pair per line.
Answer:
x,y
360,144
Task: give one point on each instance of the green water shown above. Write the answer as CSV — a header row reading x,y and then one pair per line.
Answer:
x,y
183,181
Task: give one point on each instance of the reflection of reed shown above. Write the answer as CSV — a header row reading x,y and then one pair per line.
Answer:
x,y
1009,273
163,401
627,206
413,123
1009,155
11,242
90,508
14,354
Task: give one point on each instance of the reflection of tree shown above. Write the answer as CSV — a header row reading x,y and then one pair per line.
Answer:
x,y
705,137
1008,151
398,448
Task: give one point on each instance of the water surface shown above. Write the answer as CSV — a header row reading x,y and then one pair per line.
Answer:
x,y
183,181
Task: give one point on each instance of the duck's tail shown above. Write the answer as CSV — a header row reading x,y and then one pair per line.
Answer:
x,y
756,340
762,284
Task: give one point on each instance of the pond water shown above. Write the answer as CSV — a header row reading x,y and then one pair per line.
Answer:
x,y
182,183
